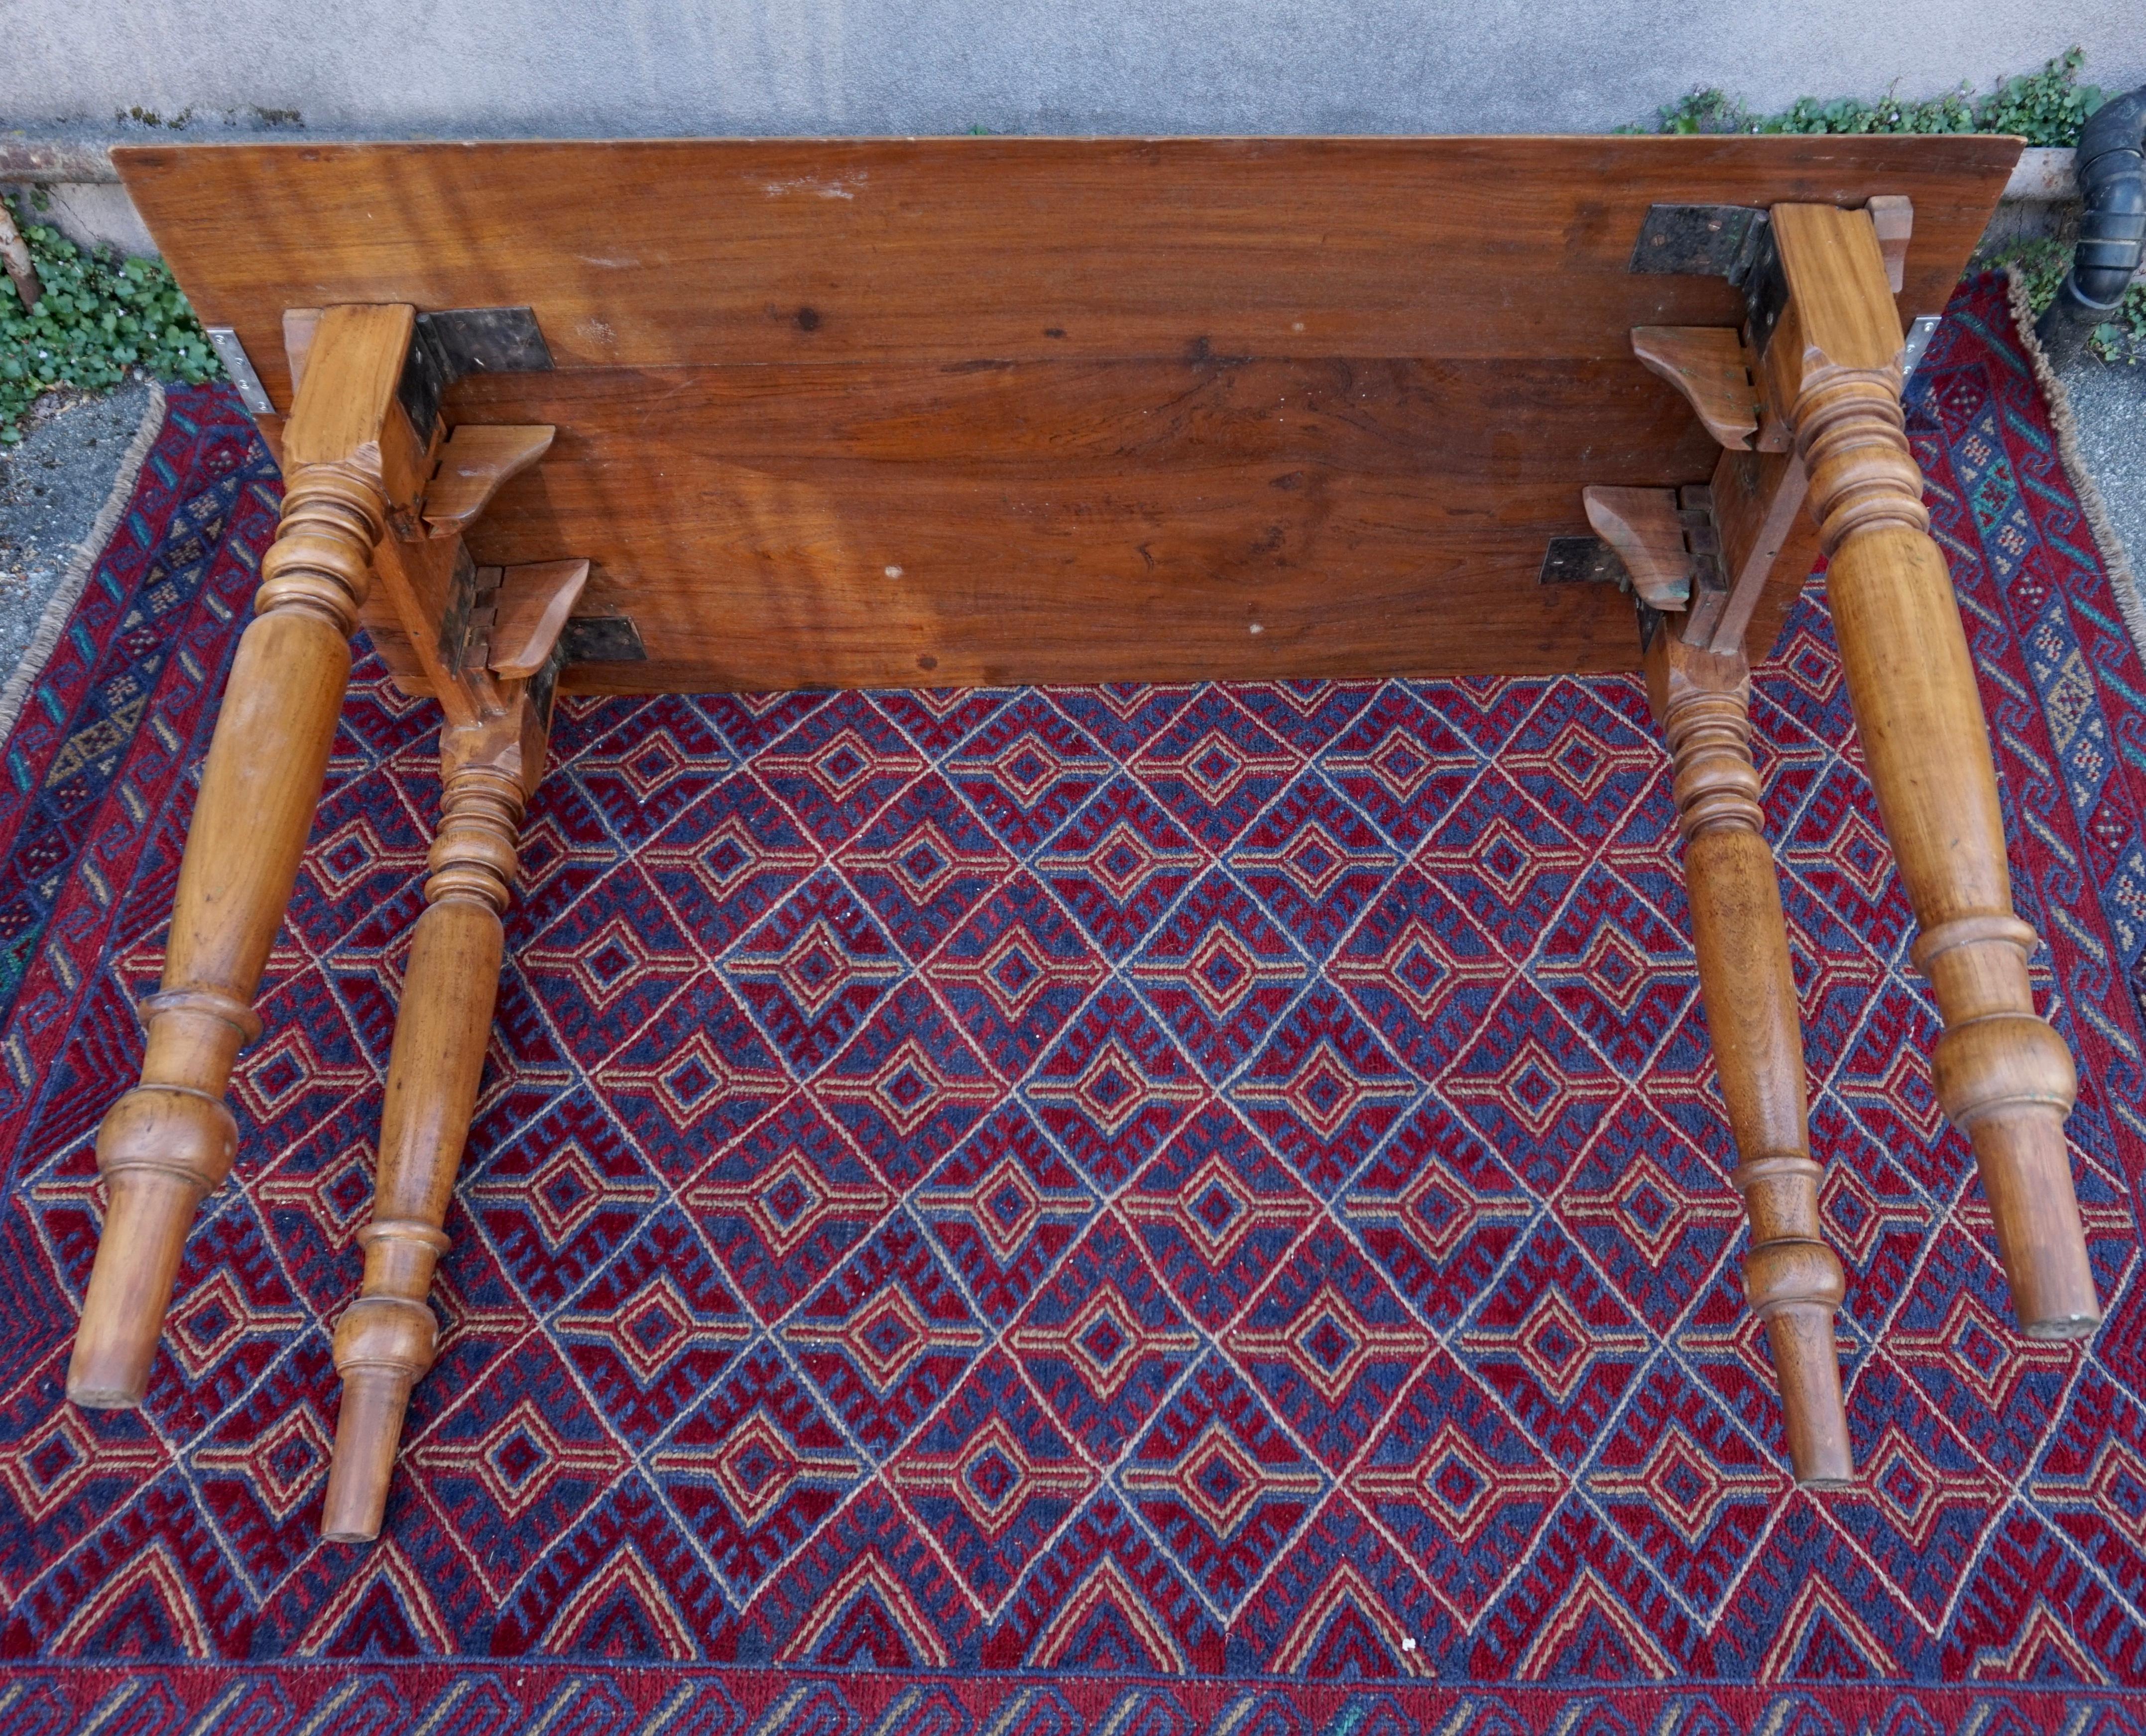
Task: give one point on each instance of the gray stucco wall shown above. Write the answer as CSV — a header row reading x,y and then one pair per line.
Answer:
x,y
474,67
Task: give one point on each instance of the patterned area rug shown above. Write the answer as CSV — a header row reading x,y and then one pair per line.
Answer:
x,y
1139,1208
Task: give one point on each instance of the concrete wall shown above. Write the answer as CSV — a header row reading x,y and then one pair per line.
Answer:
x,y
96,214
476,68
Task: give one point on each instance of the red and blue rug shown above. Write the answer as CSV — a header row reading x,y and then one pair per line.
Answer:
x,y
1143,1209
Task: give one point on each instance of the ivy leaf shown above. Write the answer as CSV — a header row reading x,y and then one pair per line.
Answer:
x,y
100,316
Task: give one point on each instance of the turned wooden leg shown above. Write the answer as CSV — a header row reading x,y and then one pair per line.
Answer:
x,y
170,1139
2003,1074
1702,700
385,1341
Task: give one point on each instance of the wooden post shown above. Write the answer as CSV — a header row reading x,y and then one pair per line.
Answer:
x,y
2004,1076
386,1339
1702,700
351,456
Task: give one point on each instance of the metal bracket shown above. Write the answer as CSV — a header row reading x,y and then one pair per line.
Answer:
x,y
1699,241
1765,287
456,341
1920,330
1731,241
586,639
466,621
1650,623
1583,560
1709,581
602,639
543,687
237,363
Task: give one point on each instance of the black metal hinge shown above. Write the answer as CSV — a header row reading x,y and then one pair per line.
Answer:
x,y
586,639
603,639
1731,241
1710,579
455,342
1583,560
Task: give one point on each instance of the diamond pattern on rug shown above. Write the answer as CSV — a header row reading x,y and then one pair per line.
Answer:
x,y
1004,1208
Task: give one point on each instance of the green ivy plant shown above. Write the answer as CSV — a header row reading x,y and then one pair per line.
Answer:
x,y
2046,107
2040,264
2124,338
100,317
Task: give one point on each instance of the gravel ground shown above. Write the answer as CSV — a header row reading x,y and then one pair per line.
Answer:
x,y
2109,407
51,487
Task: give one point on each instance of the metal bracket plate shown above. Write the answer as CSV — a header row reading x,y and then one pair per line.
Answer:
x,y
544,685
456,341
1709,583
1920,330
602,639
466,621
1583,560
1650,623
237,363
1699,241
1765,287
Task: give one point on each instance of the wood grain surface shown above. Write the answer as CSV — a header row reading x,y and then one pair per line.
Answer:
x,y
943,411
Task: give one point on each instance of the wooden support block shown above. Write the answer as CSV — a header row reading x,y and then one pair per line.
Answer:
x,y
477,460
1642,525
423,572
299,325
352,459
1764,546
1768,545
529,614
429,583
1702,701
1711,366
1893,216
417,572
2003,1074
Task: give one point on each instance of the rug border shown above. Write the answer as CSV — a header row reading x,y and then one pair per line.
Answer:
x,y
2115,558
60,606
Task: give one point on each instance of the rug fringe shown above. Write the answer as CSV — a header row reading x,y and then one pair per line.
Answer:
x,y
59,606
2114,555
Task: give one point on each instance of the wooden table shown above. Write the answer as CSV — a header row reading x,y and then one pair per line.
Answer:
x,y
685,415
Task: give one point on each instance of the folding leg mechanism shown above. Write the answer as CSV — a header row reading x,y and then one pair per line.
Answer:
x,y
1805,403
369,493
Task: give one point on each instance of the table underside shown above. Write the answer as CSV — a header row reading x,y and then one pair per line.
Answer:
x,y
944,412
